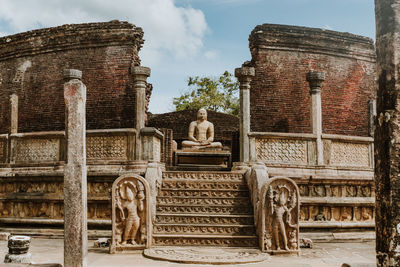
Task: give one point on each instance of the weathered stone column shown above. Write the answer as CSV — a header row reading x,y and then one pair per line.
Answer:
x,y
244,75
75,183
14,114
315,79
387,133
140,75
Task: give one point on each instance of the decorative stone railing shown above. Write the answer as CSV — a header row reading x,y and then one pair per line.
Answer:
x,y
301,150
48,148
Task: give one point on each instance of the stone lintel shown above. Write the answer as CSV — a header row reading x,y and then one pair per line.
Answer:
x,y
70,74
141,73
315,79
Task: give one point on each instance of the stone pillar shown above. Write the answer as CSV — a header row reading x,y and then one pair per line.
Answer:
x,y
14,113
140,75
372,115
387,133
315,79
75,183
244,75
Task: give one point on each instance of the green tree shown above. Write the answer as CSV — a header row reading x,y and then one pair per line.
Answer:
x,y
217,94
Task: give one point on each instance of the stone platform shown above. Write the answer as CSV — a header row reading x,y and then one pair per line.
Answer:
x,y
203,160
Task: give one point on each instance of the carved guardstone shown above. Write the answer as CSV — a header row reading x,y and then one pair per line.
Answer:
x,y
279,216
131,214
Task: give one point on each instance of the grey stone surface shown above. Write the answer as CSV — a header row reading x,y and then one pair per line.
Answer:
x,y
75,176
14,113
70,74
244,75
315,79
18,247
322,255
387,133
140,75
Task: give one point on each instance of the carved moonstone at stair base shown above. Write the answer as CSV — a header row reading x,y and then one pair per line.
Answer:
x,y
206,255
131,214
279,216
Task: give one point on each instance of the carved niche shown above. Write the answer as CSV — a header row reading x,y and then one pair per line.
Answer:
x,y
280,202
131,214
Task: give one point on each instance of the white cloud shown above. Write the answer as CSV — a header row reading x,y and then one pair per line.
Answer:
x,y
169,29
327,27
211,54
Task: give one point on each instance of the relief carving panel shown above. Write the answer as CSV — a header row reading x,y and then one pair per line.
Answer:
x,y
280,216
131,218
349,154
106,147
2,155
281,151
36,150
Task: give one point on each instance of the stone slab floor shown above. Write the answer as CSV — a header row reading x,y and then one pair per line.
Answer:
x,y
360,254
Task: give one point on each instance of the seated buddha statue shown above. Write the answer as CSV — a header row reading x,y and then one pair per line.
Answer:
x,y
201,133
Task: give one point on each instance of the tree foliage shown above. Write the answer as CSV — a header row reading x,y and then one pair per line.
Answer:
x,y
217,94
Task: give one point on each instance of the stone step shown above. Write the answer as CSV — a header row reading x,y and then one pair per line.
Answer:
x,y
203,193
205,240
184,185
202,229
202,176
210,219
205,209
204,200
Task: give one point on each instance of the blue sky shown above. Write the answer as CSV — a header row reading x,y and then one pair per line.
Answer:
x,y
190,37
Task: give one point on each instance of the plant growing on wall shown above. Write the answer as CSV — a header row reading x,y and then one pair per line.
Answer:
x,y
216,94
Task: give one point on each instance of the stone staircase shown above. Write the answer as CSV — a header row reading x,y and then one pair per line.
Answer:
x,y
204,209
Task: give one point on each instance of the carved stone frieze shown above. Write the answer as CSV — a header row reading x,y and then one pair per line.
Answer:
x,y
202,193
281,151
349,154
343,189
203,201
209,229
203,176
234,219
107,147
205,241
337,213
2,154
131,214
36,150
202,185
280,202
204,209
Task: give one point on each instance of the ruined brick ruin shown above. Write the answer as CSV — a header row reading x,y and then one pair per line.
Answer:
x,y
302,147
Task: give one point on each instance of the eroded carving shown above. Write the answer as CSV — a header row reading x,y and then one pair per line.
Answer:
x,y
37,150
349,154
281,151
106,147
131,221
280,216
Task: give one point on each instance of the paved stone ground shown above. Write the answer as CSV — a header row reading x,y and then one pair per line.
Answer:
x,y
322,255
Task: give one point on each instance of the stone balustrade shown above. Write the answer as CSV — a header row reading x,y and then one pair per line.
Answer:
x,y
48,148
288,149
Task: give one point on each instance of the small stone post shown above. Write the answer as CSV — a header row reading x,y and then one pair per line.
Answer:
x,y
75,183
315,79
387,133
372,115
140,75
14,113
244,75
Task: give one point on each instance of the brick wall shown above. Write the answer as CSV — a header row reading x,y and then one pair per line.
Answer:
x,y
280,100
32,63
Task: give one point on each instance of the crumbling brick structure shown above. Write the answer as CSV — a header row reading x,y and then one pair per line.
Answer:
x,y
32,63
280,99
